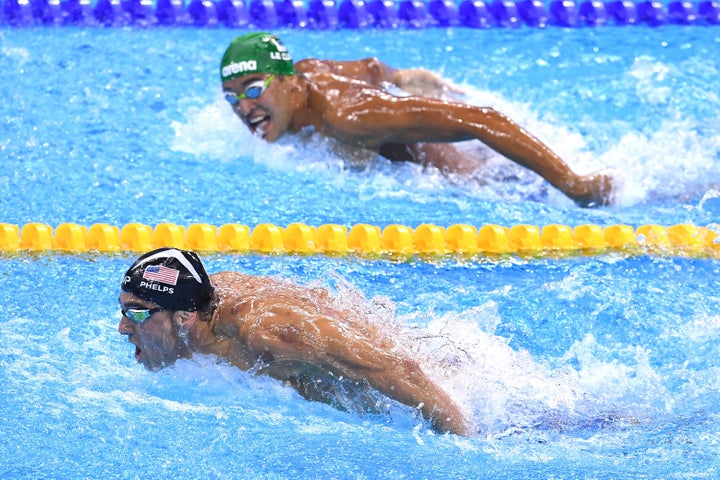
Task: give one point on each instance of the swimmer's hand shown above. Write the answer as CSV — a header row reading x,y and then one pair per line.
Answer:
x,y
423,82
591,190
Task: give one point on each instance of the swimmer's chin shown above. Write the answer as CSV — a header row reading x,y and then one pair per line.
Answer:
x,y
259,132
157,368
261,129
266,134
148,364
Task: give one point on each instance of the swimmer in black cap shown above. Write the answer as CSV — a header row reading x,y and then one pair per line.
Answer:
x,y
173,278
172,309
347,101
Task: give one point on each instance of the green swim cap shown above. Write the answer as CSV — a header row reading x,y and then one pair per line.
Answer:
x,y
255,53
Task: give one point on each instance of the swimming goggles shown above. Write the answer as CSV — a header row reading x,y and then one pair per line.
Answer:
x,y
140,315
252,91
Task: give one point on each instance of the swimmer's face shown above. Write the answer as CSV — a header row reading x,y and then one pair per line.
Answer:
x,y
268,115
156,340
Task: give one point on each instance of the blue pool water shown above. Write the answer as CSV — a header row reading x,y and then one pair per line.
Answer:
x,y
585,367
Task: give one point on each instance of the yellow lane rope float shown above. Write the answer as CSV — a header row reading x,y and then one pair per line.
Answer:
x,y
365,239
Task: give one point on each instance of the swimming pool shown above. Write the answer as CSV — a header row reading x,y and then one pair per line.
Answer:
x,y
601,366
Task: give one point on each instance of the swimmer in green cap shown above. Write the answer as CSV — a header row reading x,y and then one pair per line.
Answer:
x,y
349,102
321,346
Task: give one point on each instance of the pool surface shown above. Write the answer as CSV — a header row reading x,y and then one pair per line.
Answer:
x,y
602,366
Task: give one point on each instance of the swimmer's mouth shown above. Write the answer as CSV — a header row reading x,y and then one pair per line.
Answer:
x,y
137,354
258,123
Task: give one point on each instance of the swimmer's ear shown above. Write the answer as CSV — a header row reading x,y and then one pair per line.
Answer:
x,y
295,85
180,316
184,320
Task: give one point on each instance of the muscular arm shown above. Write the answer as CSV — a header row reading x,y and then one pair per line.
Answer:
x,y
295,326
375,119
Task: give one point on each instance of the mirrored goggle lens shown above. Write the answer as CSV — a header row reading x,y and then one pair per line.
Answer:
x,y
139,316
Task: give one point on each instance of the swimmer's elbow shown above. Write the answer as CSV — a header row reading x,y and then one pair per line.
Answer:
x,y
379,71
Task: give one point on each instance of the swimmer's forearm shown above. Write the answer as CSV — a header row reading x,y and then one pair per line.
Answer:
x,y
413,120
501,134
405,381
444,414
450,420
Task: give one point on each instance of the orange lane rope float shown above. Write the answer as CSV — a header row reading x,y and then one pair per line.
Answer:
x,y
366,239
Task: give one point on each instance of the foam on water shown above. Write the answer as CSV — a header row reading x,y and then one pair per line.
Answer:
x,y
507,390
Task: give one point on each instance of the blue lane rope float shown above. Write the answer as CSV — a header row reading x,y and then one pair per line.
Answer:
x,y
354,14
426,240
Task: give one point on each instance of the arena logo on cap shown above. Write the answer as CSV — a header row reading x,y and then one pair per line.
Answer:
x,y
239,67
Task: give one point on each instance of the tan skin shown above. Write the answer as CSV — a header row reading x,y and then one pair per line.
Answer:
x,y
344,100
294,334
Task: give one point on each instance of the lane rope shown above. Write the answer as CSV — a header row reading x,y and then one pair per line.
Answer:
x,y
426,240
355,14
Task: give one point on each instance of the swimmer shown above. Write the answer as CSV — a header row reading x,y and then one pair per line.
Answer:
x,y
346,100
172,309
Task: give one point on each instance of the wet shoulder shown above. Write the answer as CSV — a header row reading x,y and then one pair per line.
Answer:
x,y
234,288
313,65
370,69
236,282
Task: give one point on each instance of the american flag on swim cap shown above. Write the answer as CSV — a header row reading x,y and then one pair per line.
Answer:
x,y
171,278
159,273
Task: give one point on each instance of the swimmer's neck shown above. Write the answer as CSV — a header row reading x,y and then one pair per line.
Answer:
x,y
208,336
299,103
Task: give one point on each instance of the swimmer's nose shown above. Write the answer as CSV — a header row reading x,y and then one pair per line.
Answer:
x,y
125,327
245,106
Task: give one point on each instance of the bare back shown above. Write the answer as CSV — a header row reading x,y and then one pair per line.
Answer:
x,y
369,70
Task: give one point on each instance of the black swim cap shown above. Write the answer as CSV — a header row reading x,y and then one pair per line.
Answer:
x,y
171,278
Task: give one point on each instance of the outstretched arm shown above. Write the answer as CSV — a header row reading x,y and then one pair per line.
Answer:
x,y
290,328
376,119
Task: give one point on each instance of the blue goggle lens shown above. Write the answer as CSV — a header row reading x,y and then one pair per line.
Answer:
x,y
252,91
